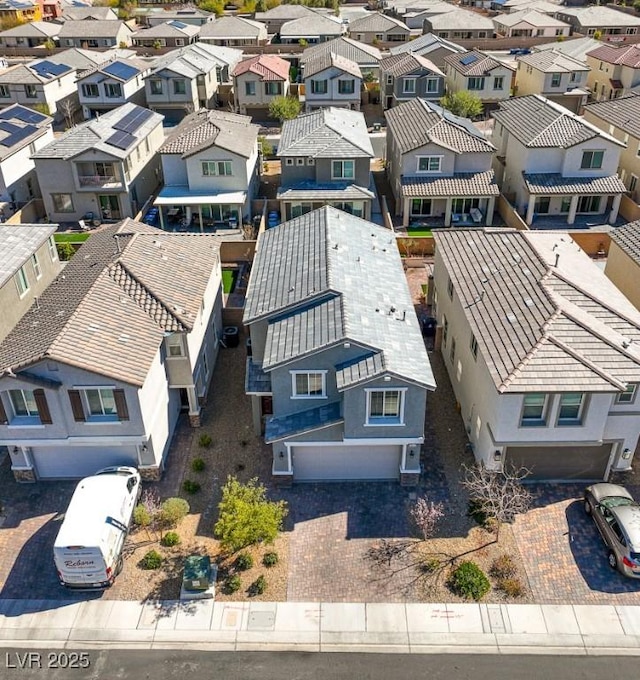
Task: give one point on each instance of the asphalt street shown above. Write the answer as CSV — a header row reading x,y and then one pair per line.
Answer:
x,y
167,665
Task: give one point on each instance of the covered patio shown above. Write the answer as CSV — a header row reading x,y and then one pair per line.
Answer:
x,y
180,207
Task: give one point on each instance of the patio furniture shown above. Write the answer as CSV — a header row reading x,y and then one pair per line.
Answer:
x,y
476,215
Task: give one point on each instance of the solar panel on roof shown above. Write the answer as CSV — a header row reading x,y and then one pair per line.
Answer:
x,y
468,59
119,70
19,134
178,24
9,127
47,69
133,120
121,139
23,114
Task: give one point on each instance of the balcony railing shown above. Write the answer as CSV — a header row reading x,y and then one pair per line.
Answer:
x,y
98,180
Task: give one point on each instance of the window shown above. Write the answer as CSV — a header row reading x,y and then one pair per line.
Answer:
x,y
90,90
445,330
30,91
22,282
179,42
408,85
628,395
4,92
288,161
591,159
175,346
633,182
319,87
498,82
101,402
155,86
432,85
475,84
179,87
342,169
36,266
308,384
542,205
534,408
62,203
23,403
273,87
385,407
389,79
574,77
429,163
555,79
570,411
452,351
450,287
216,168
421,206
113,90
346,86
250,88
464,205
589,204
474,346
53,251
565,204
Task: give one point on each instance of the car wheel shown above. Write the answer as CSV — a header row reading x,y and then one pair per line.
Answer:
x,y
587,507
612,559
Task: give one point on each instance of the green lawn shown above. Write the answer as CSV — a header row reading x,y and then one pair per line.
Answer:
x,y
418,231
80,237
229,280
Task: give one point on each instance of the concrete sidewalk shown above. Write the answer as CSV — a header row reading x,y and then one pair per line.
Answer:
x,y
314,627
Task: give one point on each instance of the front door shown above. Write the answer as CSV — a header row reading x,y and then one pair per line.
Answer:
x,y
110,207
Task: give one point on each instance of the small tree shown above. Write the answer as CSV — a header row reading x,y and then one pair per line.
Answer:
x,y
284,108
499,495
425,515
65,251
172,511
246,516
49,44
463,103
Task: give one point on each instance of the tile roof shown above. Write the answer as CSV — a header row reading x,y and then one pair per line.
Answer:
x,y
481,65
32,131
281,427
233,27
329,191
80,59
625,55
25,74
408,62
550,61
168,29
326,133
555,183
256,381
109,310
18,242
90,28
357,371
597,16
528,16
540,123
545,317
628,238
209,127
418,122
325,60
196,59
461,18
460,184
33,29
309,26
377,22
286,11
267,66
363,55
424,44
139,65
577,48
303,264
623,113
91,13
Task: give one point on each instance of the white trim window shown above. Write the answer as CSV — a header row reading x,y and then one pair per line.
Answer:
x,y
432,85
217,168
308,384
429,164
592,160
250,88
175,346
90,90
571,408
342,169
22,282
409,85
385,406
100,402
36,266
628,396
534,410
319,87
23,403
53,251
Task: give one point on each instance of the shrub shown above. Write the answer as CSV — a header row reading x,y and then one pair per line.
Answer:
x,y
152,560
511,587
190,486
258,586
232,584
503,567
141,516
205,440
469,581
243,562
65,250
198,465
270,559
170,539
173,510
477,512
431,565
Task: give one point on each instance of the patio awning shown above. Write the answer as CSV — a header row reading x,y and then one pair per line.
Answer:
x,y
546,184
459,184
182,195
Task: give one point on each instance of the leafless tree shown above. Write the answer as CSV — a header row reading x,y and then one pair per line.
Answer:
x,y
499,495
425,516
68,110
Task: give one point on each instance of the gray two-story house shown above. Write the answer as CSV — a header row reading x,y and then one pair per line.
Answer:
x,y
326,157
339,373
332,80
407,76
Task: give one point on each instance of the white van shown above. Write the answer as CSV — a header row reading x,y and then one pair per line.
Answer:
x,y
88,549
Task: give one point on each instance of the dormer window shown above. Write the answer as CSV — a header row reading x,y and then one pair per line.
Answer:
x,y
429,163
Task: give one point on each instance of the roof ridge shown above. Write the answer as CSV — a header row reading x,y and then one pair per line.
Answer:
x,y
529,356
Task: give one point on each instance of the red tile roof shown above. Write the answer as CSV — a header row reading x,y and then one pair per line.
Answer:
x,y
267,66
627,56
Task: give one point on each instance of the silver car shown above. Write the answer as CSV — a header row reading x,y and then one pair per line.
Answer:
x,y
617,517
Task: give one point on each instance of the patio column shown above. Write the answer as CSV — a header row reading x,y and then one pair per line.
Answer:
x,y
200,218
161,217
530,208
613,216
573,208
194,407
447,212
406,206
491,204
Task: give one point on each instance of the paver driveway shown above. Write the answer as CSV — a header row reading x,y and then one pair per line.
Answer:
x,y
564,556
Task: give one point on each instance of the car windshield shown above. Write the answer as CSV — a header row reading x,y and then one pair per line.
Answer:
x,y
616,501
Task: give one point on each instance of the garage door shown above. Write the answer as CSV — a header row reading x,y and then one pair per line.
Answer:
x,y
561,462
74,462
341,463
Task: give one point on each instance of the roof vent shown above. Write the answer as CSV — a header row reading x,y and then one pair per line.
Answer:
x,y
528,301
626,342
93,327
511,318
516,257
124,338
335,247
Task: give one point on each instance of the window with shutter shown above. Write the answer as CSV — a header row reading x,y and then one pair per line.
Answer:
x,y
121,405
76,406
3,414
43,407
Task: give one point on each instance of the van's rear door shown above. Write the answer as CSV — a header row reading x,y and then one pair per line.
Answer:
x,y
81,567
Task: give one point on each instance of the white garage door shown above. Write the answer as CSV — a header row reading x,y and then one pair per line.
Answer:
x,y
340,463
74,462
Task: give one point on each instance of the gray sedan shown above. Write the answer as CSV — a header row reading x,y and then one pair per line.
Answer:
x,y
617,517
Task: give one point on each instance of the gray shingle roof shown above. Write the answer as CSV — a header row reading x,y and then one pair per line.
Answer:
x,y
552,183
418,122
310,26
628,238
550,61
354,372
168,29
325,60
377,23
285,11
528,16
363,55
206,128
80,59
460,184
577,48
281,427
90,28
18,242
89,13
326,133
597,16
196,59
109,310
461,18
481,65
539,123
541,327
623,113
328,253
233,27
256,381
330,191
426,43
408,62
33,29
